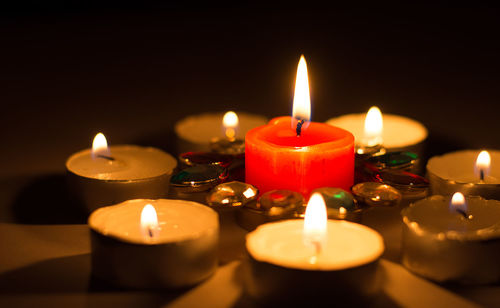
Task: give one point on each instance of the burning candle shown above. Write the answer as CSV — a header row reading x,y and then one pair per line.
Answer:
x,y
228,144
154,243
468,171
296,154
107,175
394,132
453,239
196,132
297,261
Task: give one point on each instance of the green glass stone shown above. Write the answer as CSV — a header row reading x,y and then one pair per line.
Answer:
x,y
280,201
376,194
199,176
336,198
394,160
340,204
232,194
273,205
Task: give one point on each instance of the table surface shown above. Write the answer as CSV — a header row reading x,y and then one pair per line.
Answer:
x,y
68,72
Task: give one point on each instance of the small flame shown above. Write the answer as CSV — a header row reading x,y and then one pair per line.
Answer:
x,y
230,122
100,146
315,221
458,203
301,98
483,163
149,222
374,126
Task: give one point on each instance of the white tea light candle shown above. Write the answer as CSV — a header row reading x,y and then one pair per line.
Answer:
x,y
471,172
195,132
398,133
296,263
107,175
154,244
453,239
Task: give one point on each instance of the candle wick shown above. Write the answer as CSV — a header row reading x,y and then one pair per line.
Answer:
x,y
464,214
106,157
481,175
150,232
298,130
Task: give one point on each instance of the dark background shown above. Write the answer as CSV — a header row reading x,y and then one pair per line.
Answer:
x,y
69,70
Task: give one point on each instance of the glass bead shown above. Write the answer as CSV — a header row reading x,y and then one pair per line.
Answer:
x,y
232,194
271,206
205,158
340,204
227,146
393,160
199,176
376,194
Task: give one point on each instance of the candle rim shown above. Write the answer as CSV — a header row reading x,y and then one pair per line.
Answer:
x,y
95,215
346,141
170,163
434,167
374,256
388,118
486,233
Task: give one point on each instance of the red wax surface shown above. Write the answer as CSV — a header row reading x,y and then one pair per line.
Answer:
x,y
322,156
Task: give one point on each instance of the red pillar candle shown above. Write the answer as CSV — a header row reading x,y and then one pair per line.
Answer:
x,y
281,155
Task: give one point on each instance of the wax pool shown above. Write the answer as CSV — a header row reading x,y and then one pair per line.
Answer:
x,y
276,158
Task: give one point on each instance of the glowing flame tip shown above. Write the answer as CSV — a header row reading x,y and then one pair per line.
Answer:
x,y
315,221
301,98
374,126
149,221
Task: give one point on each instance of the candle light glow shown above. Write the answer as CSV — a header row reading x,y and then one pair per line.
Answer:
x,y
100,146
230,122
459,205
483,163
301,113
373,127
149,222
315,223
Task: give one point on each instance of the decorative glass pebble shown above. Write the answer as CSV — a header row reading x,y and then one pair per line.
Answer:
x,y
365,152
340,204
205,158
232,194
376,194
226,146
403,180
407,183
393,160
199,177
271,206
280,198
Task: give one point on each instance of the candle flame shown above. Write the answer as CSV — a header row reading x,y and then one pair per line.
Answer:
x,y
301,98
374,126
100,146
230,122
483,163
458,203
315,221
149,222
